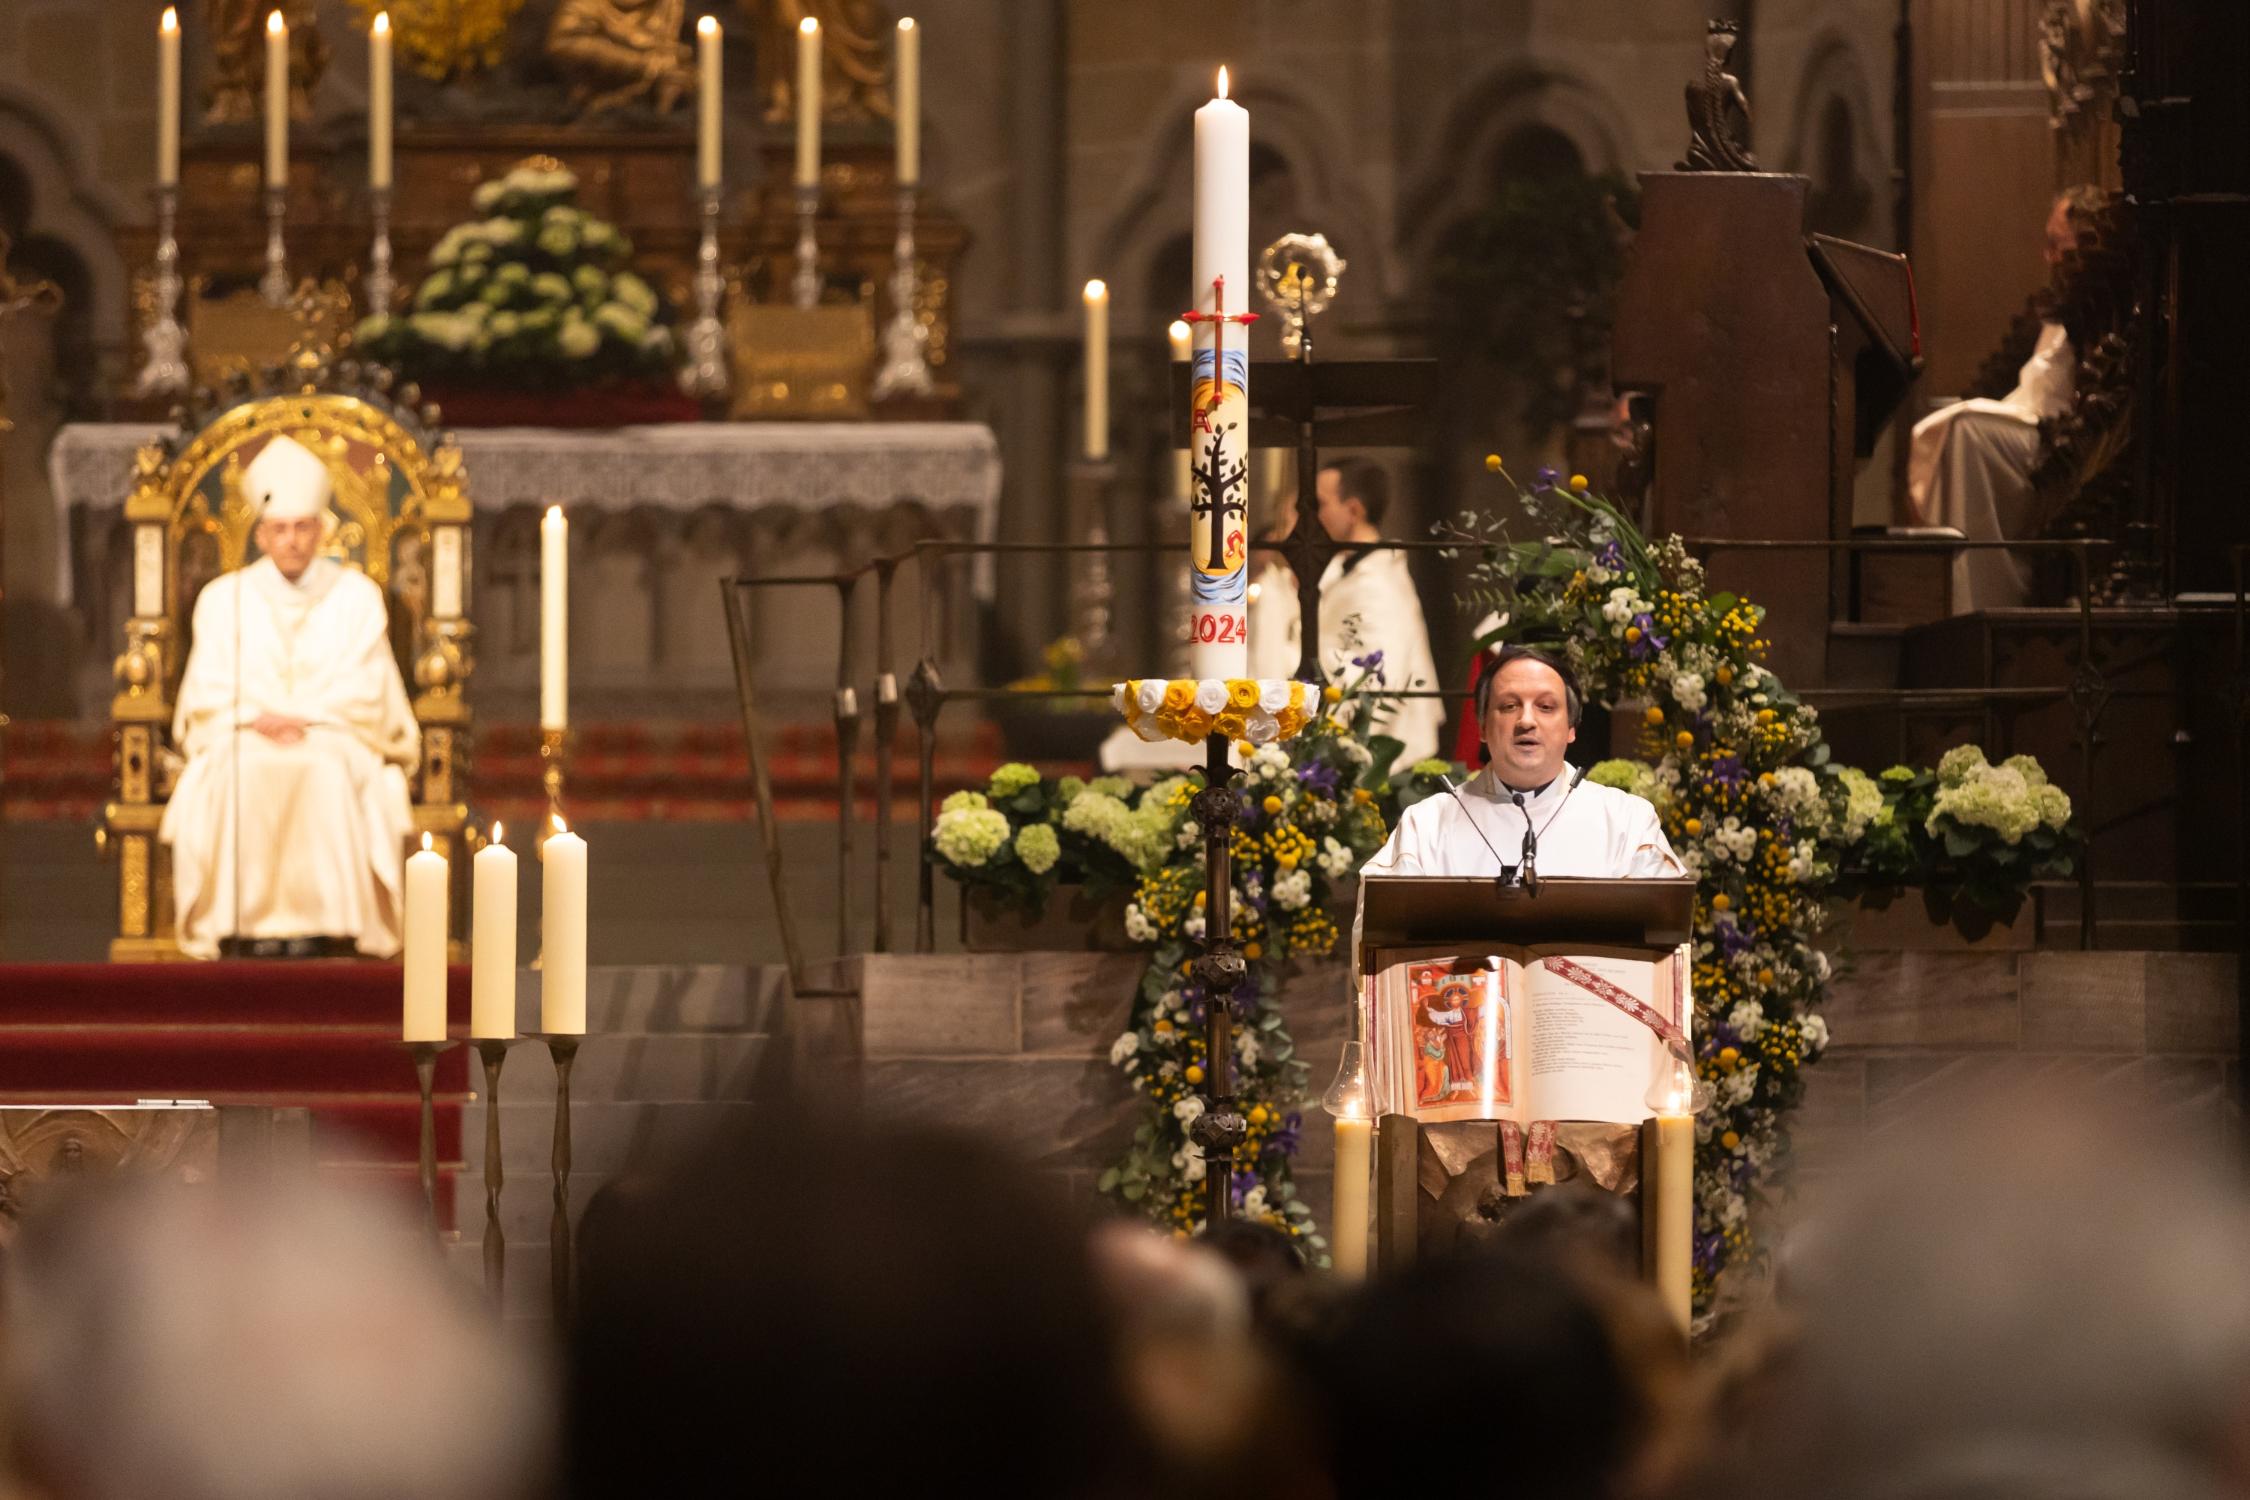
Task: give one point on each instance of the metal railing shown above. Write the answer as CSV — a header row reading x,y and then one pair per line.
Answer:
x,y
925,696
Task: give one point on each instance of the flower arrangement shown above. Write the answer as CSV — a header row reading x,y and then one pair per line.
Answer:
x,y
1260,711
535,293
1314,809
1740,775
1970,834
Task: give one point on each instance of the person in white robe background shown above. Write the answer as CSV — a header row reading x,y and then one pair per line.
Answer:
x,y
1368,603
298,738
1969,468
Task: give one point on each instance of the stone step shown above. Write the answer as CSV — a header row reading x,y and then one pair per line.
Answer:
x,y
527,1205
625,1001
606,1136
680,1067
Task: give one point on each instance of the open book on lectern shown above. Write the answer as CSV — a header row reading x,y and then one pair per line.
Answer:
x,y
1490,1002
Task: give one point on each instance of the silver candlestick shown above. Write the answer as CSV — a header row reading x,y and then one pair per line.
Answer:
x,y
704,376
166,373
906,364
274,285
805,287
379,253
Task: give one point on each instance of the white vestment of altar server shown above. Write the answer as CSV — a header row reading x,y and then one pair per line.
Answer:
x,y
323,822
1595,832
1368,602
1970,469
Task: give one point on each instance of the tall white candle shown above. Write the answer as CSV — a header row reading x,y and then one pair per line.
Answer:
x,y
908,98
492,940
1219,624
808,103
1097,370
1355,1137
425,944
168,98
379,101
554,620
277,99
1182,340
1672,1244
562,934
708,41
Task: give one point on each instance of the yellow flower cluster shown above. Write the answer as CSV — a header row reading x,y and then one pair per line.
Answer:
x,y
1258,710
1289,845
1312,932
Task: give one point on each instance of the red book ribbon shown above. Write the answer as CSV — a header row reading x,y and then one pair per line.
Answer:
x,y
1674,1039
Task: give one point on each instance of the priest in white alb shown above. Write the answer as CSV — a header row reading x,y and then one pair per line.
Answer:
x,y
1528,708
289,822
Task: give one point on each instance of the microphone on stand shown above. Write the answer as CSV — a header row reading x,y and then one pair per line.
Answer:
x,y
1531,834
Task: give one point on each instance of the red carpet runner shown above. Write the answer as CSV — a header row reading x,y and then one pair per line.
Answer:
x,y
318,1035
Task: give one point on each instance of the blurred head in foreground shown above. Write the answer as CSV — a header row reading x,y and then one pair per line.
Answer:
x,y
256,1343
802,1306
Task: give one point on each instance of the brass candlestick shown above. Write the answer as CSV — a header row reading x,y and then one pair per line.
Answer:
x,y
704,376
494,1051
425,1055
274,285
563,1048
805,286
378,283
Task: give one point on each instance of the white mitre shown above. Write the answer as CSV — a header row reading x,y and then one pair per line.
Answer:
x,y
287,482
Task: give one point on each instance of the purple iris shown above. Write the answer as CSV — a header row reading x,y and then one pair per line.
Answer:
x,y
1240,1184
1649,642
1548,474
1708,1249
1611,556
1284,1140
1319,777
1371,662
1728,933
1725,769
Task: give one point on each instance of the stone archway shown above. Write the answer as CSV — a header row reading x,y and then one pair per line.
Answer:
x,y
1834,141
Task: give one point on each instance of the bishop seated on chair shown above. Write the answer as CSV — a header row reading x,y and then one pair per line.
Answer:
x,y
289,822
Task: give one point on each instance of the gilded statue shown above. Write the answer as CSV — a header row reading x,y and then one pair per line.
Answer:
x,y
1718,110
238,57
613,52
855,50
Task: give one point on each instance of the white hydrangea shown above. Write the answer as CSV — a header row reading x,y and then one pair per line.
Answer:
x,y
1747,1018
1124,1047
1137,925
1688,691
1293,889
1795,794
1815,1029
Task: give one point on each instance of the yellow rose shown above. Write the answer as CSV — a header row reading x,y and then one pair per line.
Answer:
x,y
1242,692
1228,724
1296,697
1178,694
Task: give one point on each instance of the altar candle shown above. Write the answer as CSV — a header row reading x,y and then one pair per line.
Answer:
x,y
554,620
708,41
168,98
1097,370
1183,350
562,934
1673,1241
1355,1139
277,99
808,102
425,945
492,940
908,99
1218,534
379,102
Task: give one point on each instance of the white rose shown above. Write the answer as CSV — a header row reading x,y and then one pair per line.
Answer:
x,y
1148,729
1211,695
1188,1110
1261,728
1150,692
1273,694
1117,698
1254,1202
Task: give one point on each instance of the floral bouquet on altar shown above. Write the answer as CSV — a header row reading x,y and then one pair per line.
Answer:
x,y
535,295
1971,835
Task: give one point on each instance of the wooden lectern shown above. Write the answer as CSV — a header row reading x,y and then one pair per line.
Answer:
x,y
1409,918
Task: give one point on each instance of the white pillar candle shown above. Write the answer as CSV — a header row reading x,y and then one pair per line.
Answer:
x,y
168,98
277,99
808,103
1097,370
1673,1242
908,99
425,944
379,101
1219,623
709,39
492,940
554,620
562,934
1355,1138
1182,339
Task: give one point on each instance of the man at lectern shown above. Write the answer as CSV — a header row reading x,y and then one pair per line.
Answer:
x,y
1528,808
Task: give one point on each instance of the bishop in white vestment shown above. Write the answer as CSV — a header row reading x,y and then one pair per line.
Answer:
x,y
298,737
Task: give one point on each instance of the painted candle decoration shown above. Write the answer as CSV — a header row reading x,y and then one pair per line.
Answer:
x,y
1219,469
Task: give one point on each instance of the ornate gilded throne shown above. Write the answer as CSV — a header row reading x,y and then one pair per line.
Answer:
x,y
400,513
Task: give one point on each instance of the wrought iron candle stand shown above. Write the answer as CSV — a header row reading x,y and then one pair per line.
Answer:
x,y
906,364
704,376
494,1051
805,286
378,285
425,1055
563,1048
274,285
1220,970
166,373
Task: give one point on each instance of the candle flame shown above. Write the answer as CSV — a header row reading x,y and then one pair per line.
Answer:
x,y
274,23
906,23
1222,83
426,846
555,514
499,833
382,23
810,26
1096,290
557,820
171,21
708,26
